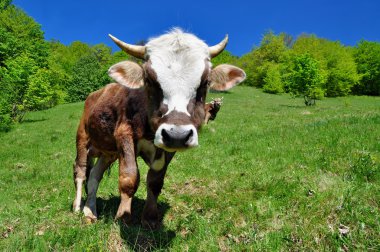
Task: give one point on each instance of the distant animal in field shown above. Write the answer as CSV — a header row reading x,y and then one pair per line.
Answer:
x,y
153,110
212,109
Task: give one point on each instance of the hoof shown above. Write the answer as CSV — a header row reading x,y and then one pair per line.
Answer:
x,y
76,209
124,219
150,224
124,213
89,214
77,206
150,219
90,220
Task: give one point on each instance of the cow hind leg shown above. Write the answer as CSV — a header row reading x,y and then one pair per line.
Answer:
x,y
79,168
89,166
79,178
94,178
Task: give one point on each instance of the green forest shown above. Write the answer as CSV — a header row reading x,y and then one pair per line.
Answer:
x,y
37,74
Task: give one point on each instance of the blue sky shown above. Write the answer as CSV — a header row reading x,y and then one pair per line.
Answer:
x,y
245,21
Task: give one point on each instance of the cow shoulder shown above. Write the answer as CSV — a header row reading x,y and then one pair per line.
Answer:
x,y
104,114
109,97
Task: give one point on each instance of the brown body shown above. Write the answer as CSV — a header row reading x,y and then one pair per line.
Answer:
x,y
110,108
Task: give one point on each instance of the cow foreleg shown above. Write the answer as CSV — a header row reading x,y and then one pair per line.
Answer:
x,y
155,181
96,175
129,176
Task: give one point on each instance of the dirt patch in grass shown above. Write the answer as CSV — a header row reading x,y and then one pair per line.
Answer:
x,y
115,242
195,186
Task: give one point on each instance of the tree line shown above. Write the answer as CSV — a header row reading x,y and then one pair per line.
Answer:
x,y
36,74
310,66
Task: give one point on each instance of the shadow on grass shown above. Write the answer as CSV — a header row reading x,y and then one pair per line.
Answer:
x,y
137,238
219,92
292,106
33,120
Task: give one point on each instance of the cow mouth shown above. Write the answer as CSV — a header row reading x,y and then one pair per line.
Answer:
x,y
172,137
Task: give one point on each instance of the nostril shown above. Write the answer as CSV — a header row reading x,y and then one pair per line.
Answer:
x,y
165,134
191,133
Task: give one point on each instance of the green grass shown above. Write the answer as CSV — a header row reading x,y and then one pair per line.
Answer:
x,y
270,174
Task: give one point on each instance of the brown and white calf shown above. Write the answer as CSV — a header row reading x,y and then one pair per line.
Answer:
x,y
154,110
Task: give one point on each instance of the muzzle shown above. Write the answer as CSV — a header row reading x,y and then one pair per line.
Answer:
x,y
171,137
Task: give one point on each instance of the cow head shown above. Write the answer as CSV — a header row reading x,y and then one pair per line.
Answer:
x,y
176,75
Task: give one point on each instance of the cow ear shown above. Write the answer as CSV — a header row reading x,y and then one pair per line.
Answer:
x,y
224,77
127,73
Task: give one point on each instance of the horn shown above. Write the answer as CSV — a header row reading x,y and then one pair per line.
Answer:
x,y
217,49
134,50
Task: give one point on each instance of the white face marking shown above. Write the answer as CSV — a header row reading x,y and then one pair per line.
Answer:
x,y
179,61
177,103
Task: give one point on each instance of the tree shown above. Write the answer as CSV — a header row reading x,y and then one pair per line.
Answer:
x,y
367,57
23,51
306,79
4,4
224,58
103,53
247,63
14,83
35,74
27,33
41,94
118,57
75,78
336,62
272,50
272,81
89,75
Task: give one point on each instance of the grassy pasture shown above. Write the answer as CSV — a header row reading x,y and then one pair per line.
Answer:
x,y
270,175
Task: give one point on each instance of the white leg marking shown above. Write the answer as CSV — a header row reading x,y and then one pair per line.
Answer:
x,y
78,196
